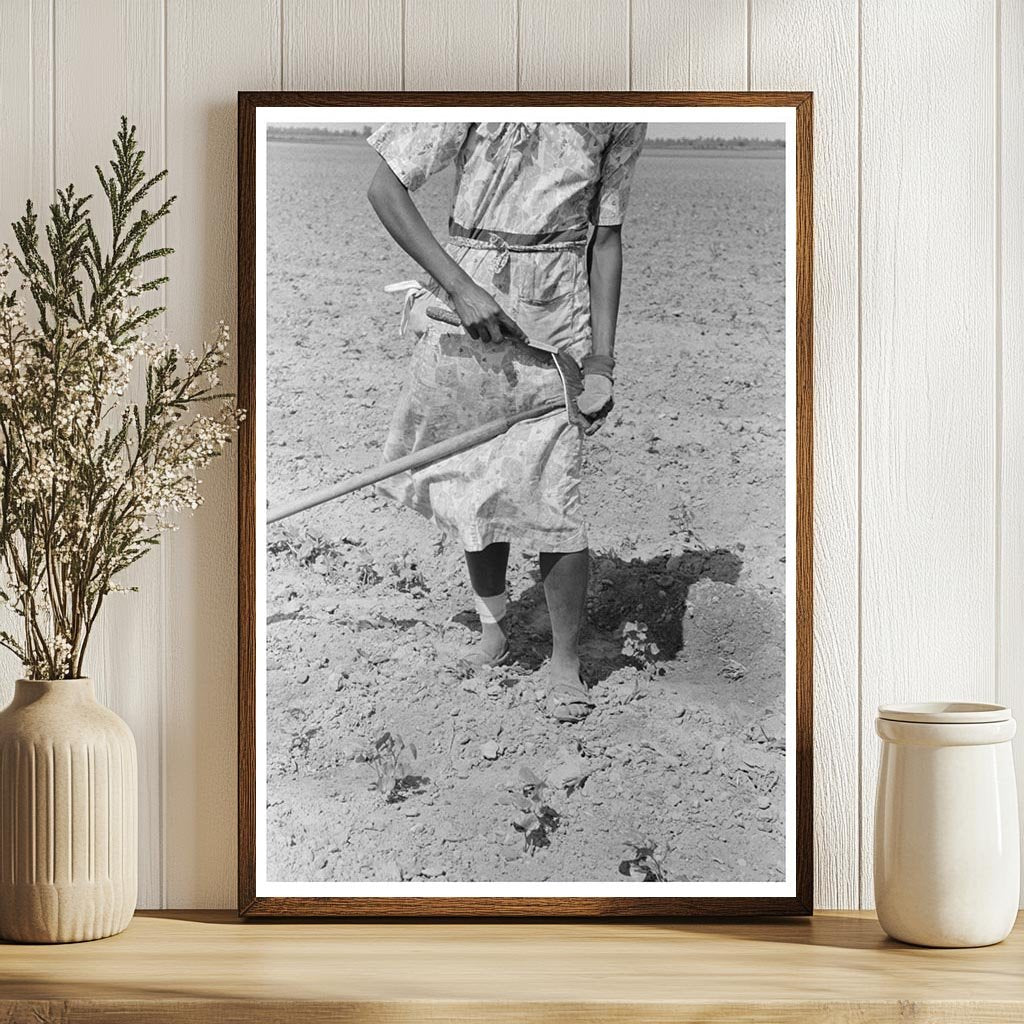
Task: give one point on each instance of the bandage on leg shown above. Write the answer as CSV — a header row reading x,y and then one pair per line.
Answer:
x,y
491,609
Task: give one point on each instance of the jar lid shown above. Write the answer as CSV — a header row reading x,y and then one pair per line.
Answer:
x,y
945,713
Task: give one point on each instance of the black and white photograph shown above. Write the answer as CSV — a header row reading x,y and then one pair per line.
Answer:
x,y
525,502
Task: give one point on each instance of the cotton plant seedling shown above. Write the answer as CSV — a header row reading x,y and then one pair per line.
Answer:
x,y
408,577
367,575
637,645
534,819
393,761
644,860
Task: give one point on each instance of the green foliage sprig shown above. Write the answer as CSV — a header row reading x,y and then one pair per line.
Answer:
x,y
89,477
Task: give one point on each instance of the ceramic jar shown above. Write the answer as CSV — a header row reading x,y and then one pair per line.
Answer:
x,y
68,815
947,847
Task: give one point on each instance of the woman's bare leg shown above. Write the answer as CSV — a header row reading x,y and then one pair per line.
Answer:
x,y
565,575
487,571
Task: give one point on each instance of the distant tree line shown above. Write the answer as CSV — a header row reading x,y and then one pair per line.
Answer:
x,y
328,133
717,142
314,132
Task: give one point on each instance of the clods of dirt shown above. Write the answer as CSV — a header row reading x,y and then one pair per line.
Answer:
x,y
679,771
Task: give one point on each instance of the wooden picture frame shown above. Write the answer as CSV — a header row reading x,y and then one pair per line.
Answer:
x,y
250,902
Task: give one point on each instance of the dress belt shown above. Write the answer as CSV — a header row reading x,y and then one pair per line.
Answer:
x,y
501,248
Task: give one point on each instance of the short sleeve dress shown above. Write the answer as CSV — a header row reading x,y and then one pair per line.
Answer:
x,y
525,198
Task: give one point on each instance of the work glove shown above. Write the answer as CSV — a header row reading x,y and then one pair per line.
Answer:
x,y
595,400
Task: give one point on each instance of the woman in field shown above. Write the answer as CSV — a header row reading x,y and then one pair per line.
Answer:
x,y
534,252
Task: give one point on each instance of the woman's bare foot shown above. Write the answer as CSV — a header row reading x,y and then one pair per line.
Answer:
x,y
568,699
487,575
565,588
564,669
492,648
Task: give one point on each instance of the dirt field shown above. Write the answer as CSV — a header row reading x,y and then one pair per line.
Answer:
x,y
684,489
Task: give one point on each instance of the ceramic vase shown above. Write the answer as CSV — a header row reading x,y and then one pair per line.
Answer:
x,y
68,815
947,847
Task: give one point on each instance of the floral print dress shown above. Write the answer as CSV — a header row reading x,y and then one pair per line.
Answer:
x,y
525,197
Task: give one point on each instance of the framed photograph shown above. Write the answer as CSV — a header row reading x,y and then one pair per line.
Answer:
x,y
525,494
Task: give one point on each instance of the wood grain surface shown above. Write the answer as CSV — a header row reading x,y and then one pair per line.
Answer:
x,y
201,967
133,678
928,368
213,51
700,44
468,45
351,44
1009,160
779,58
573,44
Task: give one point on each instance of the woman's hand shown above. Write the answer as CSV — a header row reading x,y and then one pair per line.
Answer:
x,y
595,401
481,315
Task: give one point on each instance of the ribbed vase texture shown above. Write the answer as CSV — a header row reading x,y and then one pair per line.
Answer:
x,y
68,815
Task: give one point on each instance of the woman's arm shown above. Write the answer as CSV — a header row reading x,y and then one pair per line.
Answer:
x,y
604,263
482,317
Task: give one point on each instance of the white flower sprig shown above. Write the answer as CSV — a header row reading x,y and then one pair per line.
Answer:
x,y
88,477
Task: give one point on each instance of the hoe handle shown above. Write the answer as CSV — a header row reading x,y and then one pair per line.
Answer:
x,y
446,316
415,460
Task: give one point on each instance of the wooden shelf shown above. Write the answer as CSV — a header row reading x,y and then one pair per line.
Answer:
x,y
210,967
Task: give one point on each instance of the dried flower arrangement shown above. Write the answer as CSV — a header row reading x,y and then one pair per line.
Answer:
x,y
90,477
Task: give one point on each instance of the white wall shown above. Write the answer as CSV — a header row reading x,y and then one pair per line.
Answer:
x,y
919,470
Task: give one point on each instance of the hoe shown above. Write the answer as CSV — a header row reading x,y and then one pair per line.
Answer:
x,y
572,385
